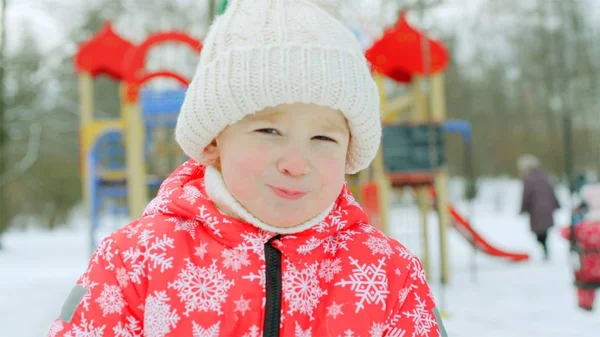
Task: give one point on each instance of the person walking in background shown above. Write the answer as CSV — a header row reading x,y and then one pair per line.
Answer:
x,y
539,199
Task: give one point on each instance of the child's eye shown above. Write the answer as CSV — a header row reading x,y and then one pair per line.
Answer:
x,y
269,131
325,138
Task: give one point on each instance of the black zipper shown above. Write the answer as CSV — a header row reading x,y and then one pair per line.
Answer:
x,y
272,289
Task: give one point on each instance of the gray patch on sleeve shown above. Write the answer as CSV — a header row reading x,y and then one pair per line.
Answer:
x,y
72,302
438,319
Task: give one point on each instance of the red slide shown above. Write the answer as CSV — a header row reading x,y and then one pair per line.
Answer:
x,y
463,227
371,206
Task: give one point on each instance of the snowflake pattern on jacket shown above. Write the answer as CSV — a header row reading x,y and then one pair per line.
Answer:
x,y
186,269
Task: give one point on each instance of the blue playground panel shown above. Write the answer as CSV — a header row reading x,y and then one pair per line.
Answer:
x,y
111,151
162,103
99,191
459,126
159,109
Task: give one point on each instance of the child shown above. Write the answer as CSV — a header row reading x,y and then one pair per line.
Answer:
x,y
587,236
258,234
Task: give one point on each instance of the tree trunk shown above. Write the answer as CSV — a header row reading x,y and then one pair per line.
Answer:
x,y
4,217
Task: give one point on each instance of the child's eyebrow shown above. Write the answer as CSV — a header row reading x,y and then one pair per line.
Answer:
x,y
331,127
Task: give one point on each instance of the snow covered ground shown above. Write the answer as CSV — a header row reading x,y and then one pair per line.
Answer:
x,y
500,299
506,299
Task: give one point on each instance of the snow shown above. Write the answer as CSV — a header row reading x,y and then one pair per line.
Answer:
x,y
489,298
501,298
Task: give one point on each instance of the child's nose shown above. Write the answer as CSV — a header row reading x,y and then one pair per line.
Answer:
x,y
294,163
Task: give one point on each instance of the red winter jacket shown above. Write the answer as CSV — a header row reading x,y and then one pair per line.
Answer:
x,y
185,269
587,235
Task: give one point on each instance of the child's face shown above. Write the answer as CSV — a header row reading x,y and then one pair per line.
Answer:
x,y
286,164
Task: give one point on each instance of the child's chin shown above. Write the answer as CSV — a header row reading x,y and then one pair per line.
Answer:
x,y
287,221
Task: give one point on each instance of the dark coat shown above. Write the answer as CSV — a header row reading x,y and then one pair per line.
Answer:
x,y
539,200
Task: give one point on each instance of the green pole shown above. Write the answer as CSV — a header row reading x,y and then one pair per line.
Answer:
x,y
222,7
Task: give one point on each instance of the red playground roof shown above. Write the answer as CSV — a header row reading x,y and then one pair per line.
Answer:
x,y
103,54
399,53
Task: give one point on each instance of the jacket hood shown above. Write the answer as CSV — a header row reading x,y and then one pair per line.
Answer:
x,y
183,196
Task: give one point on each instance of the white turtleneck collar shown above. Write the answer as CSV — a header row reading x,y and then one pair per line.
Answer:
x,y
226,203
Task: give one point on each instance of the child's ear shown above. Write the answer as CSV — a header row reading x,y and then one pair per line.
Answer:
x,y
211,152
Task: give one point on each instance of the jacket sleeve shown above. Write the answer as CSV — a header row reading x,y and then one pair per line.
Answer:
x,y
527,197
103,302
415,313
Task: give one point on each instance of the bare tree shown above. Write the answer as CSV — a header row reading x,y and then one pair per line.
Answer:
x,y
4,219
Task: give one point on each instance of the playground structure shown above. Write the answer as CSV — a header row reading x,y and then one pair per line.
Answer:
x,y
123,158
412,152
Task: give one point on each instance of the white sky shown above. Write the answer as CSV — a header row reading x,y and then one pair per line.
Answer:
x,y
455,15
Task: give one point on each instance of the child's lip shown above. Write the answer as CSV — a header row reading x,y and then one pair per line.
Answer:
x,y
287,193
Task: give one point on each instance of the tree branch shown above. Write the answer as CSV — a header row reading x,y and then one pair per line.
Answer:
x,y
32,155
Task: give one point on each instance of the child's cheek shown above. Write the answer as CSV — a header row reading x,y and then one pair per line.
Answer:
x,y
251,159
333,170
335,162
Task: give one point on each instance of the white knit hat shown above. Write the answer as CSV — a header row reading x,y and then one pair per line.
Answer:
x,y
263,53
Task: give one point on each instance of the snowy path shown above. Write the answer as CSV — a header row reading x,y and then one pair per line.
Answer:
x,y
37,271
